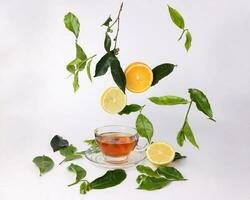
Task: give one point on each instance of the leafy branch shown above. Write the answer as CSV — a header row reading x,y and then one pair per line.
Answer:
x,y
202,104
178,20
81,60
110,60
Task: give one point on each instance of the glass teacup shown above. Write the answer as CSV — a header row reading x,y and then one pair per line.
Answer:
x,y
117,142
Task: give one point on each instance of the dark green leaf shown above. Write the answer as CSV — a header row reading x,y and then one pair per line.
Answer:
x,y
189,134
69,150
201,102
168,100
106,23
176,17
71,157
130,108
153,183
107,42
57,142
170,173
88,70
144,127
79,171
44,163
188,40
146,170
162,71
178,156
80,54
75,82
91,142
118,74
104,63
109,179
72,24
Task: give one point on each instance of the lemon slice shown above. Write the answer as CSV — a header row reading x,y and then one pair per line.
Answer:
x,y
113,100
160,153
139,77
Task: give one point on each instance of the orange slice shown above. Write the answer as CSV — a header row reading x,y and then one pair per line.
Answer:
x,y
139,77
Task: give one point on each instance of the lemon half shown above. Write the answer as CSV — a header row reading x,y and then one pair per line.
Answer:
x,y
160,153
113,100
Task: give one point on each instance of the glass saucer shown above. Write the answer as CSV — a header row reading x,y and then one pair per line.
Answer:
x,y
96,157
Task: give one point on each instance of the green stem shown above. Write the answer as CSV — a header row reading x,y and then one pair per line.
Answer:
x,y
118,25
184,30
142,108
189,107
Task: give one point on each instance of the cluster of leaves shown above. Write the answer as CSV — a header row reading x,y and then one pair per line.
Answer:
x,y
68,151
179,22
150,179
110,179
81,60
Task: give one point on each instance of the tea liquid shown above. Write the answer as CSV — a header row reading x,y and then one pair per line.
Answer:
x,y
116,144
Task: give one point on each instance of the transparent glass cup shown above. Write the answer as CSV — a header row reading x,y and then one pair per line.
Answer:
x,y
117,142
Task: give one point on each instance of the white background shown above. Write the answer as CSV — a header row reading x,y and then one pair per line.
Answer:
x,y
37,100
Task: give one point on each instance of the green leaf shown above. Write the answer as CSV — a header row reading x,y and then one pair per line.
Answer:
x,y
106,23
161,71
79,171
44,163
181,137
84,187
69,150
80,54
71,68
71,157
130,108
168,100
118,74
188,40
186,132
189,134
73,65
170,173
144,127
107,42
178,156
176,17
201,102
140,178
146,170
72,24
88,70
91,142
75,82
109,179
104,63
57,142
153,183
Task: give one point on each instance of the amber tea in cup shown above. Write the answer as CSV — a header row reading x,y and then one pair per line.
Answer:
x,y
116,142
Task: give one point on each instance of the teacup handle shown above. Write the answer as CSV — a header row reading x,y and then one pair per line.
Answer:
x,y
141,147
